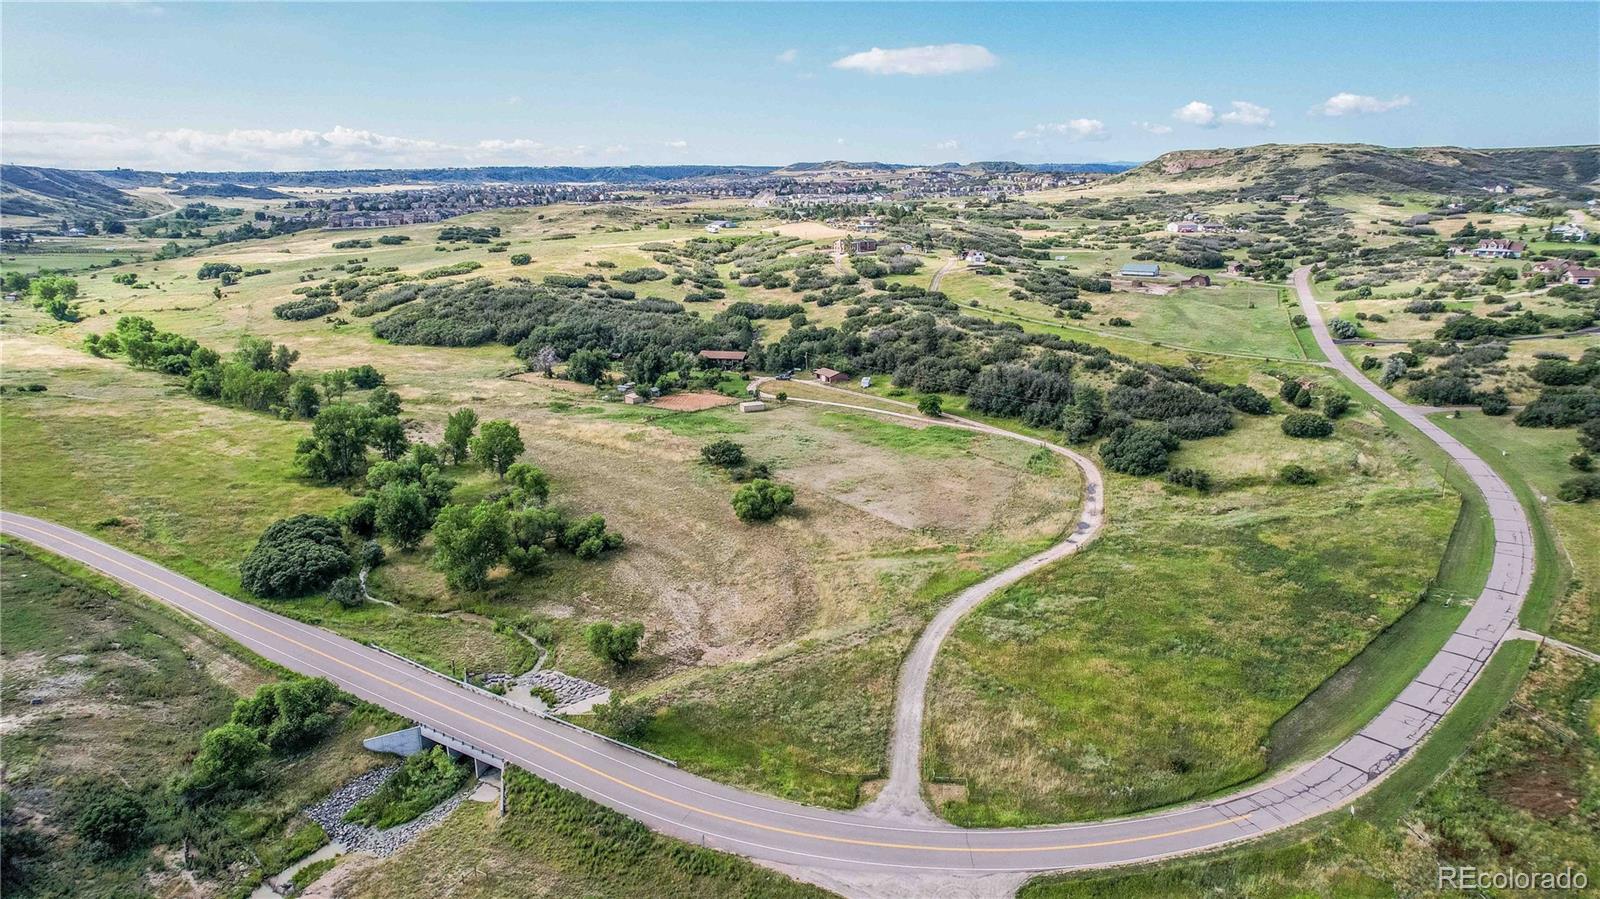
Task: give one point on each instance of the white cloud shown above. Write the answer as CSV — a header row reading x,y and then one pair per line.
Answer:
x,y
1240,112
97,145
1247,114
1345,103
1154,127
938,59
947,145
140,8
788,56
677,145
1073,130
1195,113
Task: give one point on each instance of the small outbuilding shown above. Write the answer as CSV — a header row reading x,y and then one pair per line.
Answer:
x,y
829,376
1141,270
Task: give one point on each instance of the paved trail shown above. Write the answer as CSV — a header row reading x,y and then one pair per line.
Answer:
x,y
865,852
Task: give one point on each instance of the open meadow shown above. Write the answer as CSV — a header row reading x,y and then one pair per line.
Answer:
x,y
1139,676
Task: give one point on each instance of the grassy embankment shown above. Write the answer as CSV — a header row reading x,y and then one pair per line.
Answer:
x,y
125,691
1534,462
554,844
1505,782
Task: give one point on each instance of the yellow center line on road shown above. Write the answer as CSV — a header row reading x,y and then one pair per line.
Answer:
x,y
12,524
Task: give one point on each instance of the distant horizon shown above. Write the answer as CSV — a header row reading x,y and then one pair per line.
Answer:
x,y
1129,163
840,161
322,87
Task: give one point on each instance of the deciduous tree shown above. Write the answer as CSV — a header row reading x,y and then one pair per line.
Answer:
x,y
497,445
614,643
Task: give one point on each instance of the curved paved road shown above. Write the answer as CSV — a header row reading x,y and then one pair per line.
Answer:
x,y
851,851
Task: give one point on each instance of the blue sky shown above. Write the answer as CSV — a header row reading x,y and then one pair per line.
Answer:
x,y
295,86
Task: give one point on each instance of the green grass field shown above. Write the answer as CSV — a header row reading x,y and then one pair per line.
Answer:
x,y
1232,318
1135,676
1506,782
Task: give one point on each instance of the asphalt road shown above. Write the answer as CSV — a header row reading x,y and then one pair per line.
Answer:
x,y
847,849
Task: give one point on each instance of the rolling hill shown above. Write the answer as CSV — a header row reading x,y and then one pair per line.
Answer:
x,y
33,191
1329,168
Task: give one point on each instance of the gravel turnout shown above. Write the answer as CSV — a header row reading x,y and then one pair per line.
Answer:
x,y
330,814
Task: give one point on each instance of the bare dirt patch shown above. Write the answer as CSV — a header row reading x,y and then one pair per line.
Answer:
x,y
944,793
530,377
692,402
1546,787
809,230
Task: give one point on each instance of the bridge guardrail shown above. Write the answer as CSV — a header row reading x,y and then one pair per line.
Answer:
x,y
554,719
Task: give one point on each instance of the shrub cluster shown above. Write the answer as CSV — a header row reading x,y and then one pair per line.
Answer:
x,y
304,309
423,781
295,556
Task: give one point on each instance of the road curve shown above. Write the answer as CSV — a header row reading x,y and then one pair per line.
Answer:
x,y
901,797
847,848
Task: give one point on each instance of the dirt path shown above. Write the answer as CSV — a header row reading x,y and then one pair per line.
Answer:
x,y
901,797
948,267
1542,640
